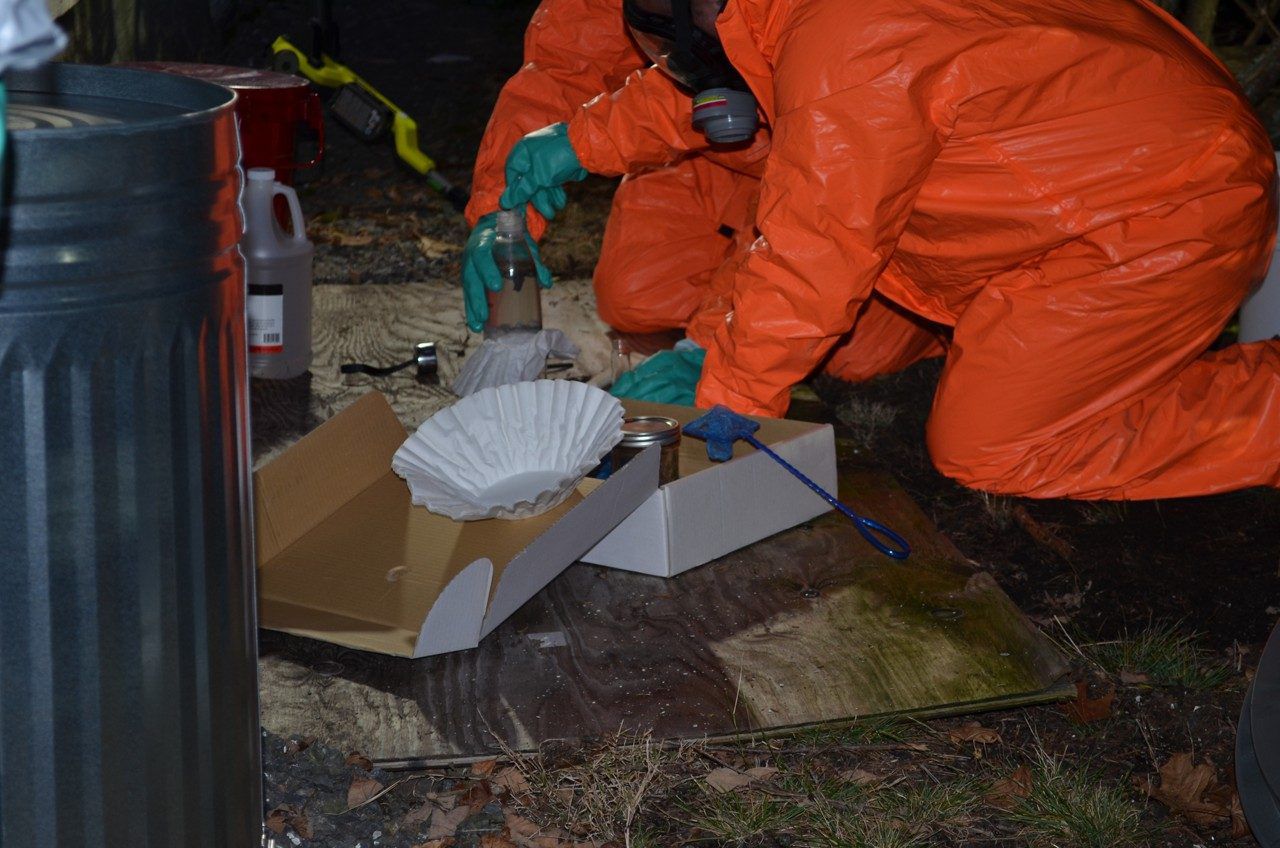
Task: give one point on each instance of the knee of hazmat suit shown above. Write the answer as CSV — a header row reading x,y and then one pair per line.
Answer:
x,y
934,154
669,232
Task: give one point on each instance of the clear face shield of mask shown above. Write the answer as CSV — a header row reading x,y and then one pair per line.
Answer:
x,y
683,45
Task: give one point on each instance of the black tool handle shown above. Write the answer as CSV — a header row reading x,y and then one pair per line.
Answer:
x,y
374,370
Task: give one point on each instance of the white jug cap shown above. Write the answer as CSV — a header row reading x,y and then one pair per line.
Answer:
x,y
262,175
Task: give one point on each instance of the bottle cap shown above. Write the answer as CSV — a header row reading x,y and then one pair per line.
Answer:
x,y
511,222
267,175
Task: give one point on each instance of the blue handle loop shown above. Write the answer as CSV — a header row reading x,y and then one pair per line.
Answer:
x,y
868,527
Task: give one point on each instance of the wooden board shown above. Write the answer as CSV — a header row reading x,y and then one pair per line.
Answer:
x,y
808,627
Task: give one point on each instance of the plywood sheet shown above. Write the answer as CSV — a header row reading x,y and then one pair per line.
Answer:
x,y
808,627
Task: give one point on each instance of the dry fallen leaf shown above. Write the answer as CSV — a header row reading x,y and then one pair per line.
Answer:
x,y
510,780
445,822
477,796
1192,790
494,840
296,746
355,758
333,235
278,820
447,842
727,779
1005,791
484,767
1132,677
418,815
861,777
974,732
284,817
362,789
1085,709
434,248
1239,827
434,803
518,825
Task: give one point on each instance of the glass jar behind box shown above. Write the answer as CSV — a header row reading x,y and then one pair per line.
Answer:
x,y
643,431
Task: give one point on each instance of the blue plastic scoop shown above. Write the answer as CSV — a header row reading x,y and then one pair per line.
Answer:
x,y
721,427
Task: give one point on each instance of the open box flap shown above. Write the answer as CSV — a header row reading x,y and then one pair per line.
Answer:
x,y
574,535
376,572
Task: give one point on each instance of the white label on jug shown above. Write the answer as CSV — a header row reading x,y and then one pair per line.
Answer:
x,y
266,319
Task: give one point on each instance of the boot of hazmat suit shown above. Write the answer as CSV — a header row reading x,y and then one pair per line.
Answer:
x,y
1078,191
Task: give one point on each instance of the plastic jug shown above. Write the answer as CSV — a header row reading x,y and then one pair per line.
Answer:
x,y
1260,312
278,272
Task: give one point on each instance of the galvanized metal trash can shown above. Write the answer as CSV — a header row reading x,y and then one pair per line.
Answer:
x,y
1258,748
128,706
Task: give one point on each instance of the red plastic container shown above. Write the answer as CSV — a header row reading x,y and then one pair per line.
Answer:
x,y
270,105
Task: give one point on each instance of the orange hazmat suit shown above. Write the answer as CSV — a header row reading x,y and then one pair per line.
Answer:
x,y
1069,199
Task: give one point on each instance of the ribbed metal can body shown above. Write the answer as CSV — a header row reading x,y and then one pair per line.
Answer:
x,y
128,706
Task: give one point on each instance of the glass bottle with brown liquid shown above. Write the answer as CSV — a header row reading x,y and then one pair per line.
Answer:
x,y
517,306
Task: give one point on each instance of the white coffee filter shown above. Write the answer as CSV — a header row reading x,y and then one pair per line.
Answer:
x,y
513,451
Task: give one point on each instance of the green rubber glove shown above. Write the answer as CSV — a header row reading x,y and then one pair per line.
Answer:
x,y
480,274
670,376
537,168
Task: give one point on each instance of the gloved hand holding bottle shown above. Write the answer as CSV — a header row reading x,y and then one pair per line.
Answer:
x,y
669,376
538,167
480,273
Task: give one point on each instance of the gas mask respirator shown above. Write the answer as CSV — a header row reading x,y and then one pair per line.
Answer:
x,y
723,107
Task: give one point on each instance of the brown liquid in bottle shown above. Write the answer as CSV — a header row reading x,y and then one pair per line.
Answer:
x,y
517,307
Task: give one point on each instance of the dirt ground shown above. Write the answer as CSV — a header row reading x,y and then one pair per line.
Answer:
x,y
1163,605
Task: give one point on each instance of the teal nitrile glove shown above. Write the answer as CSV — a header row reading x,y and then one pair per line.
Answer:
x,y
480,274
537,167
669,376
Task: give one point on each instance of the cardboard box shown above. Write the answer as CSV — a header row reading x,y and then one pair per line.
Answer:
x,y
717,508
343,555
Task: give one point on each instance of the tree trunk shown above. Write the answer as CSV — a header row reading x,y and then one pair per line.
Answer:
x,y
1201,15
122,30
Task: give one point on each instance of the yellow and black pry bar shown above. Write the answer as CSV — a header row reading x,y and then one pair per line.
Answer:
x,y
366,111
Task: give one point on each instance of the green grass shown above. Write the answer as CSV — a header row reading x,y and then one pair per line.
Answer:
x,y
736,817
931,805
1163,652
847,831
823,791
831,813
868,731
1075,808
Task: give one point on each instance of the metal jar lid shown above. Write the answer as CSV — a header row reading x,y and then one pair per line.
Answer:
x,y
645,430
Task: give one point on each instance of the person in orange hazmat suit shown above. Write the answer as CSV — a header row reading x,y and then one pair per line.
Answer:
x,y
1069,200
